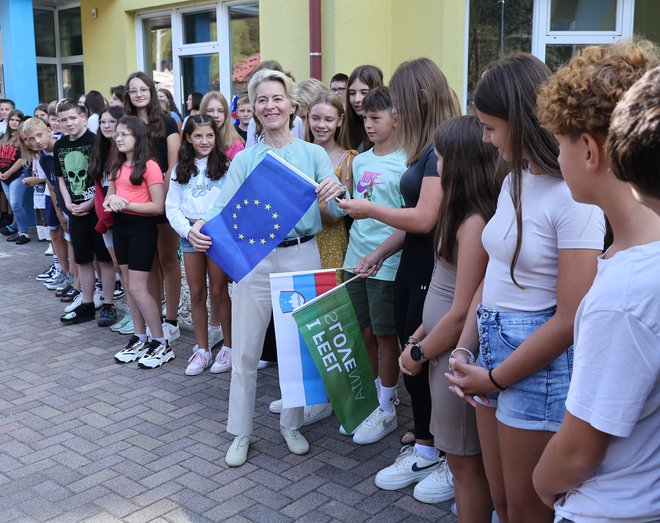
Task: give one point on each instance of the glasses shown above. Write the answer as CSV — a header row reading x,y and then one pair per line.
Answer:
x,y
107,122
338,90
141,90
117,136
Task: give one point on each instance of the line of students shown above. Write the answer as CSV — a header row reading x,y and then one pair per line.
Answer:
x,y
491,272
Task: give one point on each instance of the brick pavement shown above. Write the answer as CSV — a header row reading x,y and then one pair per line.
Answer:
x,y
85,439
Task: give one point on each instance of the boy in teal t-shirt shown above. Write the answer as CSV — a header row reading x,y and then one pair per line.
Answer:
x,y
377,173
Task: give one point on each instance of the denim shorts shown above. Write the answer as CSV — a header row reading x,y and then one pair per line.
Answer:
x,y
536,402
186,246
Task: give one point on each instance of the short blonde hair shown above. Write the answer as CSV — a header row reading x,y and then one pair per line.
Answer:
x,y
270,75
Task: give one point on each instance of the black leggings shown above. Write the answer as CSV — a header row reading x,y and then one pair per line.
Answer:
x,y
410,288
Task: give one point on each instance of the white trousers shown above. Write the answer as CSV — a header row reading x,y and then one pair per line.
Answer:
x,y
251,311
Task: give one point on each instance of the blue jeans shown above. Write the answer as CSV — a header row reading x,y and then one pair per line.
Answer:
x,y
536,402
20,196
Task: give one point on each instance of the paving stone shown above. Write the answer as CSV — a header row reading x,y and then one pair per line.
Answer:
x,y
84,439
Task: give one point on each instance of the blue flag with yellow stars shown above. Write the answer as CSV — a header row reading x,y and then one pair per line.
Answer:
x,y
269,203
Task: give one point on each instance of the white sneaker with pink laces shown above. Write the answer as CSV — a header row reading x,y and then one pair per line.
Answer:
x,y
222,361
199,360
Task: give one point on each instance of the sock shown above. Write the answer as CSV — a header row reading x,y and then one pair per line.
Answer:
x,y
427,452
143,338
56,263
174,323
386,397
214,327
162,341
378,386
117,276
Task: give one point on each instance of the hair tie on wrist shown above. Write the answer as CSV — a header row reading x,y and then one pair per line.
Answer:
x,y
413,340
490,375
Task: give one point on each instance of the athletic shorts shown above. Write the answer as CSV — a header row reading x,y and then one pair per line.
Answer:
x,y
373,301
135,238
85,239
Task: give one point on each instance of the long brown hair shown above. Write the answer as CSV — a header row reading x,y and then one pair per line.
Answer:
x,y
141,153
155,112
508,90
217,163
372,76
470,183
423,99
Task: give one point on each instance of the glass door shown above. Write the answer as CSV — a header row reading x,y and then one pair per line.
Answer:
x,y
199,73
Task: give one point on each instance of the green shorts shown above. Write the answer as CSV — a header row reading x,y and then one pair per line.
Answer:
x,y
373,301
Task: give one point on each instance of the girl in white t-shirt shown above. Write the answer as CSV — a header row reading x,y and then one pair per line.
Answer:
x,y
196,183
542,249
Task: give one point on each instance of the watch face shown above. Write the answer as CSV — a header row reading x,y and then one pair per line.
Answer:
x,y
416,353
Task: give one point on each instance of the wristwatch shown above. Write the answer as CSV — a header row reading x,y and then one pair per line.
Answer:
x,y
417,353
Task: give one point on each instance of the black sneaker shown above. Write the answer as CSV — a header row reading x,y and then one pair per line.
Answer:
x,y
46,274
107,316
156,355
14,237
60,293
70,295
82,313
22,239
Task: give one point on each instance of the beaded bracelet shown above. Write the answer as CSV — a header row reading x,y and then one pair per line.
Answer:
x,y
490,375
413,340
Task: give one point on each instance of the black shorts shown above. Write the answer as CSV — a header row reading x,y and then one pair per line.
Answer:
x,y
135,238
86,241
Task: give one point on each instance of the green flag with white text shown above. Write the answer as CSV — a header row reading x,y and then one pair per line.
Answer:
x,y
333,337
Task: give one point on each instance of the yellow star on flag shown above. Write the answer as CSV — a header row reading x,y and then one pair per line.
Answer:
x,y
238,205
271,235
246,202
275,215
241,236
251,241
262,241
276,226
257,202
234,216
268,206
235,226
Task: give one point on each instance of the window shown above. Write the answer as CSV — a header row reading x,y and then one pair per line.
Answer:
x,y
58,42
496,29
200,48
563,26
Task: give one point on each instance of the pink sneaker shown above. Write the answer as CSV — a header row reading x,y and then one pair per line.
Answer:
x,y
199,360
222,361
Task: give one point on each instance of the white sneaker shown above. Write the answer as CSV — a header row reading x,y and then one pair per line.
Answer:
x,y
314,413
98,298
170,332
378,425
408,468
275,406
134,350
199,360
263,364
75,303
238,451
343,432
49,251
222,361
215,337
437,487
156,355
295,441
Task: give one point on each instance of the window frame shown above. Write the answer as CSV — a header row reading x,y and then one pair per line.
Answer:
x,y
58,60
180,50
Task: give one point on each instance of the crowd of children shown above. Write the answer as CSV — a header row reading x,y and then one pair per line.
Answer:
x,y
507,259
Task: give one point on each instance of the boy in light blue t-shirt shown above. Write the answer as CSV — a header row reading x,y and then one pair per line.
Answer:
x,y
377,173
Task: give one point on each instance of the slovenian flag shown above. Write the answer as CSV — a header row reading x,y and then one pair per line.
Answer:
x,y
300,381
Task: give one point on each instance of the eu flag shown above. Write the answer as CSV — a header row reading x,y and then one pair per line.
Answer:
x,y
268,204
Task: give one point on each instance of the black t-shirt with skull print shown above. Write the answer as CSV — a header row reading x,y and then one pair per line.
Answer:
x,y
72,163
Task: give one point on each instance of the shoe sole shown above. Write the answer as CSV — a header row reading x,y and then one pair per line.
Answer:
x,y
106,323
117,360
433,498
220,371
196,373
369,441
76,320
160,364
394,484
275,410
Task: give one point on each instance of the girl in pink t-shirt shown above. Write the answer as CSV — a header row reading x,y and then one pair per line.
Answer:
x,y
136,196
